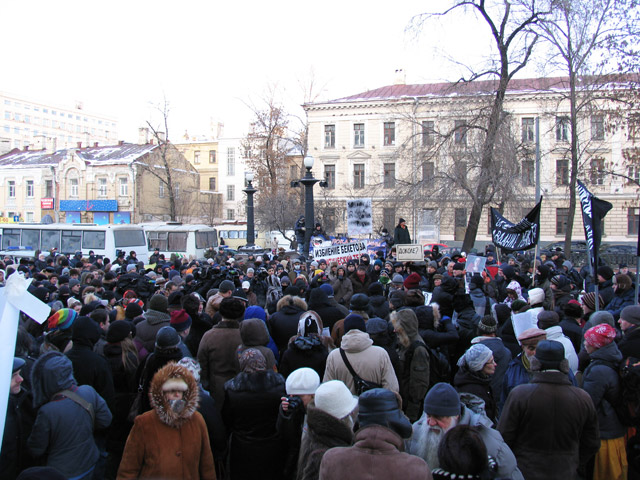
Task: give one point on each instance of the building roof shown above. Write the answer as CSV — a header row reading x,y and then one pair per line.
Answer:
x,y
125,153
478,87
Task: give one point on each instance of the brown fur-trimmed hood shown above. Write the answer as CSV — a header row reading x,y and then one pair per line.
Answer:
x,y
160,404
291,300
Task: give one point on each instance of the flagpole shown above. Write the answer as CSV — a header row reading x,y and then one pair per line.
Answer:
x,y
535,259
635,302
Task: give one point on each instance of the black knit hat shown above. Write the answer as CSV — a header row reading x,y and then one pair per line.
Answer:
x,y
118,331
379,406
167,338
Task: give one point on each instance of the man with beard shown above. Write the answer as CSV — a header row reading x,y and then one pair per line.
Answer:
x,y
443,410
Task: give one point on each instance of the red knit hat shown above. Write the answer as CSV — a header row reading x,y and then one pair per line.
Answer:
x,y
180,320
600,335
412,281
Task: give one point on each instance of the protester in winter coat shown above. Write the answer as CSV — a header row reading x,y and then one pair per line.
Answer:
x,y
217,353
369,362
319,302
569,437
250,413
414,362
122,357
401,235
342,286
378,449
605,284
601,382
629,324
550,323
481,302
571,323
543,281
443,410
63,430
475,371
329,425
623,296
360,280
254,334
381,333
170,441
443,295
309,348
378,304
284,323
502,356
201,322
561,288
156,317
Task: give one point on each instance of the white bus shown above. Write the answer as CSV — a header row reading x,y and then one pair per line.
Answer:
x,y
190,241
69,238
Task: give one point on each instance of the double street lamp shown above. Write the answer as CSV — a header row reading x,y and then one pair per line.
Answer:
x,y
308,181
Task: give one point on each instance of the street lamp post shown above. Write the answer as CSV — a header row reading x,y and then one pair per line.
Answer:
x,y
308,181
250,191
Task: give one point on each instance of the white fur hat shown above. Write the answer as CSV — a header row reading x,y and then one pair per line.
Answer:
x,y
536,295
335,398
303,381
175,383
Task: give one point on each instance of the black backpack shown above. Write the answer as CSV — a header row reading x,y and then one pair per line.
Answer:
x,y
628,405
439,368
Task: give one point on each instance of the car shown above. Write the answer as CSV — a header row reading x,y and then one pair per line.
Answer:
x,y
619,249
576,246
444,249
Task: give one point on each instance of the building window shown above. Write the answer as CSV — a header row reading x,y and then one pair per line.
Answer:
x,y
196,157
358,175
212,156
124,187
330,176
562,129
329,136
389,218
389,175
597,127
460,132
633,220
30,189
74,188
633,172
562,214
231,214
176,190
48,188
212,184
161,189
231,193
528,130
596,173
29,217
12,188
389,131
231,161
102,187
358,135
428,133
528,173
293,172
562,172
428,172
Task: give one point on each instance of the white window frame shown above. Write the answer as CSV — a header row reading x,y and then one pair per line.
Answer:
x,y
123,187
102,187
30,188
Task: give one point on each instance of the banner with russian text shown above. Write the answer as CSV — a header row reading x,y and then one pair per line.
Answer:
x,y
340,253
513,237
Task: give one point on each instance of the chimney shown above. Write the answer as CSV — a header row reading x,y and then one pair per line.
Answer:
x,y
143,135
79,144
26,148
95,144
400,77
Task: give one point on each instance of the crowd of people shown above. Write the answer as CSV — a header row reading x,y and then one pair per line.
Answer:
x,y
267,366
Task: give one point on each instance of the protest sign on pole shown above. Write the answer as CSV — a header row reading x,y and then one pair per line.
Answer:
x,y
409,253
359,217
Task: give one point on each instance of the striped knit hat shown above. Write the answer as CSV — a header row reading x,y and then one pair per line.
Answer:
x,y
62,319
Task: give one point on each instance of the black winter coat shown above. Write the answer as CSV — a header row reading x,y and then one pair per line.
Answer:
x,y
471,382
200,325
629,346
89,368
320,303
250,413
284,325
304,352
378,307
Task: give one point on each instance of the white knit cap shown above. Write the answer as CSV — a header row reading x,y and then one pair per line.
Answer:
x,y
335,398
536,295
303,381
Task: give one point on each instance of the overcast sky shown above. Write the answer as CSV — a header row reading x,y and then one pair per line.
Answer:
x,y
211,59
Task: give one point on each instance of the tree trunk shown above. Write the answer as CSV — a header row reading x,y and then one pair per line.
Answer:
x,y
574,162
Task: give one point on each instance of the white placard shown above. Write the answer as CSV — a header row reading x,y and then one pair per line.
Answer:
x,y
521,322
359,217
409,253
340,253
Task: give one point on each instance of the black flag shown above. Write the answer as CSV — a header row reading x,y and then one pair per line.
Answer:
x,y
514,237
593,211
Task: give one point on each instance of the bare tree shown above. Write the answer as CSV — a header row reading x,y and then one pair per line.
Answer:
x,y
579,32
511,24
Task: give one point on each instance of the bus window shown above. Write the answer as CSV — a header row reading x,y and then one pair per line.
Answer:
x,y
233,234
10,238
128,238
177,242
71,241
93,240
50,239
202,240
30,239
